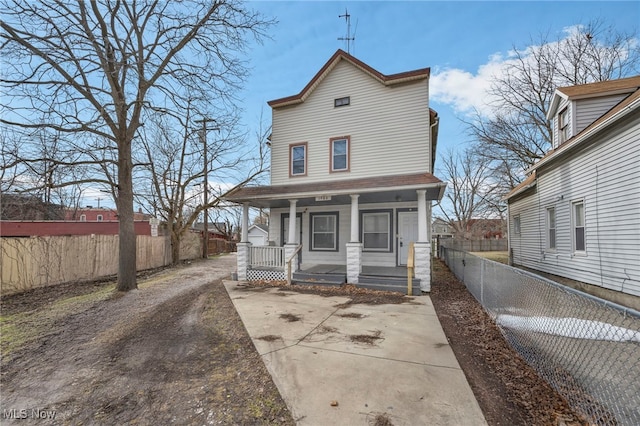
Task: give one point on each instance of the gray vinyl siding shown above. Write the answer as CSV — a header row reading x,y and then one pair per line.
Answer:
x,y
607,178
339,257
388,126
589,110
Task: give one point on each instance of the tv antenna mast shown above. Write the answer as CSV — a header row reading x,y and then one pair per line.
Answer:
x,y
349,38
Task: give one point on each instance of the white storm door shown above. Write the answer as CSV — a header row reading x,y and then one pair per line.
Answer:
x,y
407,233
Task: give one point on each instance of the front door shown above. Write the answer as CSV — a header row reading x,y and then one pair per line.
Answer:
x,y
407,233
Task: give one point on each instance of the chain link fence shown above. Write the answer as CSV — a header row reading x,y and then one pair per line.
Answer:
x,y
588,349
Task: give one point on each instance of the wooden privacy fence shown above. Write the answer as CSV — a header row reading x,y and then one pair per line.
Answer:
x,y
475,245
27,263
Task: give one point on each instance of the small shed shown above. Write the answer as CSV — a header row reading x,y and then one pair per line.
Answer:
x,y
259,235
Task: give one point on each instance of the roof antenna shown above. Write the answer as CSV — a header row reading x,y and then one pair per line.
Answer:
x,y
349,38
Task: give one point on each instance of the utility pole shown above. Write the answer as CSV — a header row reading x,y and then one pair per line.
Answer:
x,y
205,235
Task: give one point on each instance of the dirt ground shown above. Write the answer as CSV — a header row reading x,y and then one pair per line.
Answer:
x,y
508,390
176,352
173,352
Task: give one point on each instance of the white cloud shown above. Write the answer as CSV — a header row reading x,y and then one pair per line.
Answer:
x,y
466,91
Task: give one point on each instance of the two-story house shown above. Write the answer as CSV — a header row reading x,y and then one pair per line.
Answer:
x,y
577,215
352,159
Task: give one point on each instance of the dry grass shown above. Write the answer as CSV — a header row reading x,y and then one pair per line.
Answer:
x,y
496,256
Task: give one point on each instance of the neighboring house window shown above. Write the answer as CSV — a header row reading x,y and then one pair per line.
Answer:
x,y
578,226
551,228
516,225
563,125
99,218
324,231
83,218
376,231
340,154
298,159
342,101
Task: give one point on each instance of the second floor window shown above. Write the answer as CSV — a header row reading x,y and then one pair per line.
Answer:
x,y
551,228
340,154
83,218
298,159
99,218
563,125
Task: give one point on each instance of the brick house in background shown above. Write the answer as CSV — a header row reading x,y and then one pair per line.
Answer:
x,y
99,214
81,221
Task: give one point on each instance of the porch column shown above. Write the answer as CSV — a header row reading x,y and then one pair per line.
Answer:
x,y
291,238
354,246
291,246
422,247
423,232
355,219
245,223
244,246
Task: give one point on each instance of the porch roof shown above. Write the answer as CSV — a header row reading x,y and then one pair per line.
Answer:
x,y
380,189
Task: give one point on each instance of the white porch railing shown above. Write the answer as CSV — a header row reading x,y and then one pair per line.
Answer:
x,y
266,257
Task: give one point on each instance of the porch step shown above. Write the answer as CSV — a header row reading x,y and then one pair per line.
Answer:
x,y
318,279
389,284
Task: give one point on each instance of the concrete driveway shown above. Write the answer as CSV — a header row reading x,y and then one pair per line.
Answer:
x,y
359,364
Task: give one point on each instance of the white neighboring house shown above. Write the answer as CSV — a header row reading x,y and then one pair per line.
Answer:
x,y
352,160
577,215
258,235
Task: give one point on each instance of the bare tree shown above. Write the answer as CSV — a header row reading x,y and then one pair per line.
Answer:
x,y
514,132
469,192
175,171
96,70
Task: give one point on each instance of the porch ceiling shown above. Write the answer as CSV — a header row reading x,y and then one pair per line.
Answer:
x,y
383,189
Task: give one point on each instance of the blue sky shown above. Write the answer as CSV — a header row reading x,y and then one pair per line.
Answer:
x,y
462,42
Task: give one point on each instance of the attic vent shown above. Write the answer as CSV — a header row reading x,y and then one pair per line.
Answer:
x,y
341,101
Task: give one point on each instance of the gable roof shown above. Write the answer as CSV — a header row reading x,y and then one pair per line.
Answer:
x,y
601,88
627,106
260,227
341,55
622,109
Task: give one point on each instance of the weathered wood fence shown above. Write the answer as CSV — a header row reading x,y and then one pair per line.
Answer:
x,y
27,263
475,245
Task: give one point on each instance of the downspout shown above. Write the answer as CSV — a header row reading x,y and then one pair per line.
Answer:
x,y
509,234
434,141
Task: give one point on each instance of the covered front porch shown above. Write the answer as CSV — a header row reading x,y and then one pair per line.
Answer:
x,y
267,263
381,218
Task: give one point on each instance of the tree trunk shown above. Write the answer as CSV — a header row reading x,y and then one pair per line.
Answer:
x,y
175,247
127,240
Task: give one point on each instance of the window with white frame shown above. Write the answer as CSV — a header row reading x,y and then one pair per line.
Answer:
x,y
298,159
324,231
578,226
551,228
516,225
563,125
376,231
99,218
340,154
83,218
